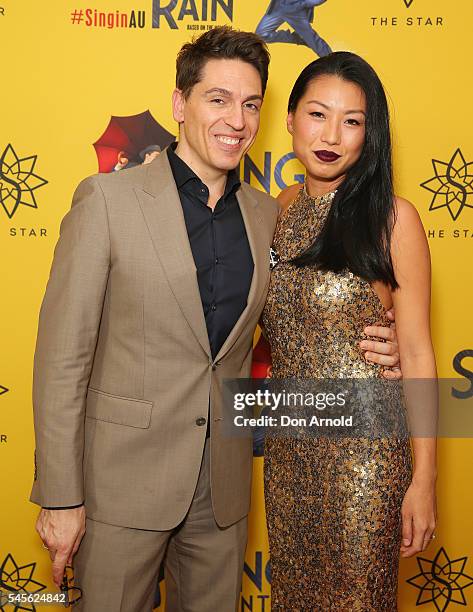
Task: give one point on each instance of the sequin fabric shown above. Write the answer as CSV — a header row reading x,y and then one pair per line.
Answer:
x,y
332,504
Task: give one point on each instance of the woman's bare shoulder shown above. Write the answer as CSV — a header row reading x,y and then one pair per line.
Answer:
x,y
287,196
404,207
408,233
406,216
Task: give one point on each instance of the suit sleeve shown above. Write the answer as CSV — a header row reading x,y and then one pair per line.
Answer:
x,y
68,328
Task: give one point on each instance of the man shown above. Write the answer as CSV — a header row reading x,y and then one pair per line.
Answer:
x,y
149,153
157,284
299,14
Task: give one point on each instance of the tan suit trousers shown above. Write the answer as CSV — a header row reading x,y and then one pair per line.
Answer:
x,y
117,567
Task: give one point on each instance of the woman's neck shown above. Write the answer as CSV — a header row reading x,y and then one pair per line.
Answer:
x,y
316,187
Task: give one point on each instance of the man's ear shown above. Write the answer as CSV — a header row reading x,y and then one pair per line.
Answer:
x,y
178,103
289,122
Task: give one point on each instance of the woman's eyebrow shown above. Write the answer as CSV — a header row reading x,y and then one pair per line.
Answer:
x,y
348,112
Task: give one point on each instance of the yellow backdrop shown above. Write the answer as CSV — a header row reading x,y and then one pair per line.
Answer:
x,y
67,66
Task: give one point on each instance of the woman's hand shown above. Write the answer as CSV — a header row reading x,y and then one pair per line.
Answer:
x,y
419,517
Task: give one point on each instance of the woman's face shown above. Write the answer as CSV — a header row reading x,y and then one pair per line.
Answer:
x,y
328,128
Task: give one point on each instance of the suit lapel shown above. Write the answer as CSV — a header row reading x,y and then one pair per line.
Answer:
x,y
259,246
162,210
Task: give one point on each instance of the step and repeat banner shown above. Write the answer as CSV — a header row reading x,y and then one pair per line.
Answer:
x,y
86,87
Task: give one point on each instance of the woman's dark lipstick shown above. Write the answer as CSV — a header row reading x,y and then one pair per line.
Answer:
x,y
327,156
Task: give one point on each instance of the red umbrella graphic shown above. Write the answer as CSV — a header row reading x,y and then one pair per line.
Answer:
x,y
130,134
261,359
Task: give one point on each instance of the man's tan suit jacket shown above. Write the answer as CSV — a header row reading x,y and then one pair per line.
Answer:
x,y
123,370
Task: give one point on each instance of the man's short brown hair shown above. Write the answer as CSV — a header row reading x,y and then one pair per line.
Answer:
x,y
221,42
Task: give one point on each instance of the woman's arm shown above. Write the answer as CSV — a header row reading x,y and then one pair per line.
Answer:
x,y
411,261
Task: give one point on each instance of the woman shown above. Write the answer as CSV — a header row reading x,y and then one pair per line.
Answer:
x,y
348,250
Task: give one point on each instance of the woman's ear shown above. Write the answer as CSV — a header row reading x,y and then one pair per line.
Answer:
x,y
289,122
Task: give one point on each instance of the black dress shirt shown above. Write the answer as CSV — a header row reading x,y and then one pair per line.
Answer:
x,y
220,248
221,252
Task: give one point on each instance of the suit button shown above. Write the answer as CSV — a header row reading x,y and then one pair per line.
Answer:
x,y
201,421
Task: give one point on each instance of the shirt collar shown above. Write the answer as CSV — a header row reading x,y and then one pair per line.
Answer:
x,y
183,173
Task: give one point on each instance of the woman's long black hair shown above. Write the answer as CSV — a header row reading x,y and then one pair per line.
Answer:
x,y
357,232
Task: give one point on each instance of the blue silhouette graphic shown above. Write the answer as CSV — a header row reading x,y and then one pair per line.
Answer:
x,y
299,14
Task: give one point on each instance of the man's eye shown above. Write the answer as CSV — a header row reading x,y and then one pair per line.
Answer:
x,y
251,106
217,100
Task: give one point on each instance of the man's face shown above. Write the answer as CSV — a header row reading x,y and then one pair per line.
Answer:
x,y
219,119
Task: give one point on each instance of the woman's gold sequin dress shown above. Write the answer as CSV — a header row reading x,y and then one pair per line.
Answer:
x,y
332,504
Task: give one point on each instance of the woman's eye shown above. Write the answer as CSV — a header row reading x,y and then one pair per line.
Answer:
x,y
317,114
353,122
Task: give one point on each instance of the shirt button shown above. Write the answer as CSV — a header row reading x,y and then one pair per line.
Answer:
x,y
214,367
200,421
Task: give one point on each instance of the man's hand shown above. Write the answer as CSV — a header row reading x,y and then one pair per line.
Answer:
x,y
384,353
61,532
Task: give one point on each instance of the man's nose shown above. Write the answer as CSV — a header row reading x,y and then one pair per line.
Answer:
x,y
236,118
